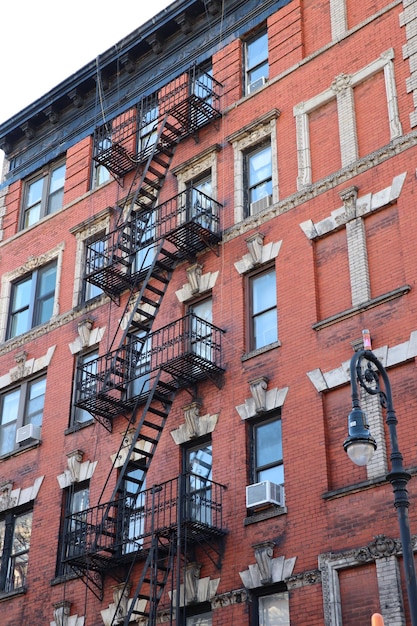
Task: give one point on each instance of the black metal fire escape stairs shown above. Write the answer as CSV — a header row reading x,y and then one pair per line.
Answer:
x,y
141,375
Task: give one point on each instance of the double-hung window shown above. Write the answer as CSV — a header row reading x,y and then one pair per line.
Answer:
x,y
32,300
43,194
256,59
148,125
198,462
133,511
263,322
258,169
199,201
95,257
84,384
266,453
273,609
102,145
200,619
74,528
19,407
15,533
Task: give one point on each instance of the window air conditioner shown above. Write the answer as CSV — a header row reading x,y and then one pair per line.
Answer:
x,y
263,493
257,84
260,205
28,434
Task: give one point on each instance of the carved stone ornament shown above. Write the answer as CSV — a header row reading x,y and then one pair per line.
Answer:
x,y
263,556
380,548
85,327
193,275
6,500
120,599
258,388
349,197
192,577
232,597
191,415
255,244
20,371
74,464
62,612
341,83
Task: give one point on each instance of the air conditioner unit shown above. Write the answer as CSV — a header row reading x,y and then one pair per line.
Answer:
x,y
257,84
260,205
263,493
28,434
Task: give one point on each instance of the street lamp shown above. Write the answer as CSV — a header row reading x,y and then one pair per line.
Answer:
x,y
360,447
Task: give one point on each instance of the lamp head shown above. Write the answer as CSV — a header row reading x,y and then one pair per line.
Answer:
x,y
359,445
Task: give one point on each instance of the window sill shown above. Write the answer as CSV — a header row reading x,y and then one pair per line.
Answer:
x,y
11,594
253,353
20,450
265,514
76,427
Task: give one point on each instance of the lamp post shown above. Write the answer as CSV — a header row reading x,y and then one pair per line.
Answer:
x,y
360,446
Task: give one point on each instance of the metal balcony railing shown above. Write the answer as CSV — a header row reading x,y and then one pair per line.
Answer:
x,y
192,101
190,221
187,350
104,536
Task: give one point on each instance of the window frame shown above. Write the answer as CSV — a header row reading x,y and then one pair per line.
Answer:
x,y
251,338
45,201
6,555
103,135
76,411
35,298
86,286
62,569
255,466
258,594
250,69
22,416
250,153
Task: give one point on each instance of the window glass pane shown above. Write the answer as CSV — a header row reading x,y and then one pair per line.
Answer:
x,y
85,380
9,413
2,532
260,166
21,294
19,552
274,474
20,302
268,443
79,500
22,532
35,402
264,294
265,330
56,191
257,50
45,295
274,610
200,461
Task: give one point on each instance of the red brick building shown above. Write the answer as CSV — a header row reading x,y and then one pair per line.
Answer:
x,y
195,230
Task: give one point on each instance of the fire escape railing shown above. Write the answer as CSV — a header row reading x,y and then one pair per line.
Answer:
x,y
131,522
187,350
123,144
190,221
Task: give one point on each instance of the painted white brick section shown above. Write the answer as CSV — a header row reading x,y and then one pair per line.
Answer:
x,y
389,585
409,19
338,18
358,262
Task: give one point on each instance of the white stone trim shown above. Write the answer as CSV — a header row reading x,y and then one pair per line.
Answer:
x,y
241,141
77,470
268,252
274,399
11,498
31,264
28,368
342,89
197,167
338,18
205,283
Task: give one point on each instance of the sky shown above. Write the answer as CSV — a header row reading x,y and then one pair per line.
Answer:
x,y
44,42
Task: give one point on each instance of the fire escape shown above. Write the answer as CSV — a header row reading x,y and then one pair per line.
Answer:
x,y
138,378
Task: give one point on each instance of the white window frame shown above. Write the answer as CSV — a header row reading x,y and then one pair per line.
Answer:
x,y
9,278
246,138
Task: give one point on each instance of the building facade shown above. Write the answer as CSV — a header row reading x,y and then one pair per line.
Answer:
x,y
195,230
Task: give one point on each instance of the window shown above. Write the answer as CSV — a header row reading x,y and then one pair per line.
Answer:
x,y
258,170
32,300
266,443
256,56
95,248
102,144
148,127
139,357
73,525
263,309
84,380
15,533
201,335
133,511
273,610
202,87
43,195
19,407
199,201
198,465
